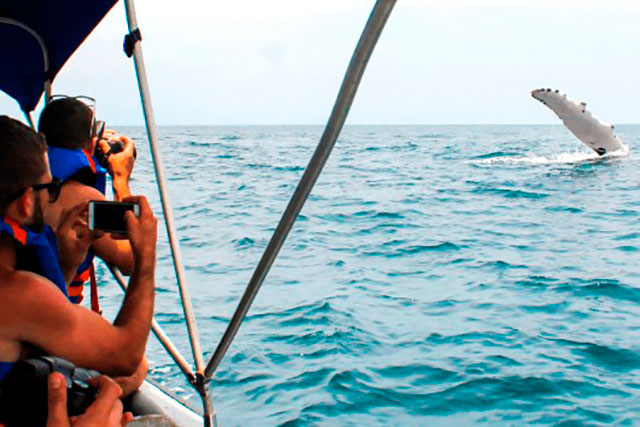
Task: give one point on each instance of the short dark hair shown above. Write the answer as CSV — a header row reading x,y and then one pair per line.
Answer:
x,y
66,123
22,161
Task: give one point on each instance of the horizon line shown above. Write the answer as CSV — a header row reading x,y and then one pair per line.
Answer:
x,y
356,124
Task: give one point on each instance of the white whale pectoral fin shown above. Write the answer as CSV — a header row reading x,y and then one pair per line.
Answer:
x,y
584,125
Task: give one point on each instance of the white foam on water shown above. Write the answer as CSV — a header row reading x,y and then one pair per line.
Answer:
x,y
574,157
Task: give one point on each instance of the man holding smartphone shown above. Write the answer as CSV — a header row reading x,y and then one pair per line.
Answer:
x,y
72,132
35,312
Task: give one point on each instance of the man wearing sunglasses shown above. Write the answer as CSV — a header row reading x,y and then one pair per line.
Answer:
x,y
35,312
71,130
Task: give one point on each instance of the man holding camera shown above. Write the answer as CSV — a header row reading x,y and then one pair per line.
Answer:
x,y
106,411
72,134
35,313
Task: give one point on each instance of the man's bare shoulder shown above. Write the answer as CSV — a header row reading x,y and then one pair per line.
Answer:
x,y
33,310
24,285
23,294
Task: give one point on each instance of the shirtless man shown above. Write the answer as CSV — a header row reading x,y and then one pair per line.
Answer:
x,y
34,310
69,127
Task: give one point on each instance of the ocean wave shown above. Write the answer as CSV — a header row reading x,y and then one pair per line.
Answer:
x,y
609,288
494,155
414,249
511,194
611,358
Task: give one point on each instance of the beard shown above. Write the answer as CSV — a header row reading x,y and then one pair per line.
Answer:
x,y
37,221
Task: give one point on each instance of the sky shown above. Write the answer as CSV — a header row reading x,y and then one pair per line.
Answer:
x,y
246,62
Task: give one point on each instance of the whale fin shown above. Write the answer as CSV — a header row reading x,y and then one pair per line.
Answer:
x,y
589,129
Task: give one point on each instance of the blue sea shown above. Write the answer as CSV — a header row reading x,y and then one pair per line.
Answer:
x,y
438,275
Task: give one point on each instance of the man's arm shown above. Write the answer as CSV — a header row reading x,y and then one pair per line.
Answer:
x,y
45,318
121,189
116,252
132,383
112,251
74,240
120,166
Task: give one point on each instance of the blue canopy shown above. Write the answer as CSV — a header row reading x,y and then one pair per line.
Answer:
x,y
36,39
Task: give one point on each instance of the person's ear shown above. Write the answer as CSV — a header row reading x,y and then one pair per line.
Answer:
x,y
26,203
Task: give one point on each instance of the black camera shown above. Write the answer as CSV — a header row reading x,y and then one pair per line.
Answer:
x,y
23,391
115,147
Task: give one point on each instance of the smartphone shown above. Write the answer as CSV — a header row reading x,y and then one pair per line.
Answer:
x,y
109,216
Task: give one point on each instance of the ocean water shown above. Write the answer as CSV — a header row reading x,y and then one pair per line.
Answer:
x,y
440,275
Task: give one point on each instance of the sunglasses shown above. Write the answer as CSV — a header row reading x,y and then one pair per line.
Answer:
x,y
97,126
52,187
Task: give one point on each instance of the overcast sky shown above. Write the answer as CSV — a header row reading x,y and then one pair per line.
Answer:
x,y
438,61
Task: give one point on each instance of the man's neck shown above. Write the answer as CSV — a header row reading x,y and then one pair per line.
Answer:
x,y
7,252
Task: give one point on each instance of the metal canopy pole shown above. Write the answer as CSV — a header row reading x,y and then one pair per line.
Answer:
x,y
27,116
198,382
359,60
162,187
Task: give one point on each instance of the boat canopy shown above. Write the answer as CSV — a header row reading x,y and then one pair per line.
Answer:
x,y
37,37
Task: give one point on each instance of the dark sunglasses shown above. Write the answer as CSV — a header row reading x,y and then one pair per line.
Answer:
x,y
52,187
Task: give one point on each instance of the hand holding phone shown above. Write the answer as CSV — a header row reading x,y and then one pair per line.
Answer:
x,y
109,216
142,234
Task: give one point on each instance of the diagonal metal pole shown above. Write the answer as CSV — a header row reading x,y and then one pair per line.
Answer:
x,y
359,60
145,95
159,333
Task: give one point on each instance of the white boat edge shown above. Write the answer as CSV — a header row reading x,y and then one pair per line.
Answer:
x,y
153,399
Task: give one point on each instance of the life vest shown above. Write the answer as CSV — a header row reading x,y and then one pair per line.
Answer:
x,y
36,252
79,165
